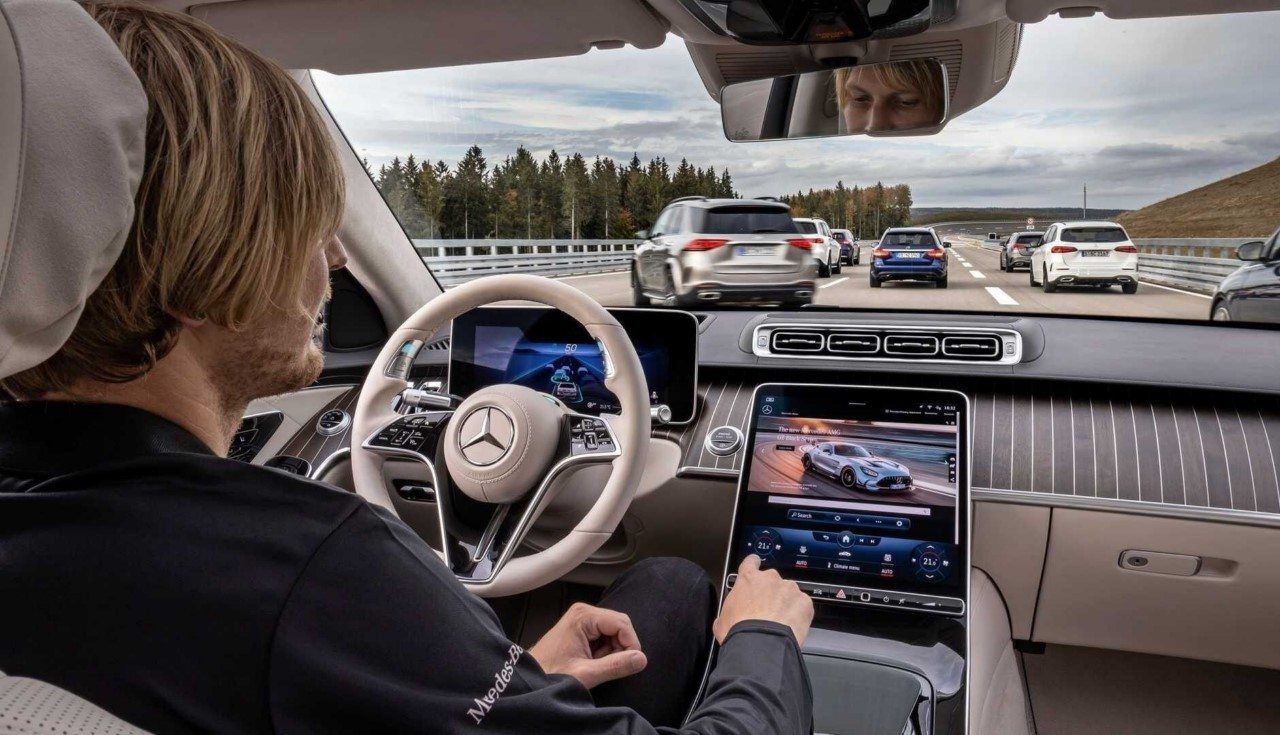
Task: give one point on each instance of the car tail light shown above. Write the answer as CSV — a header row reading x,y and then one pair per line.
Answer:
x,y
704,244
879,253
936,254
1062,249
1126,249
799,242
816,240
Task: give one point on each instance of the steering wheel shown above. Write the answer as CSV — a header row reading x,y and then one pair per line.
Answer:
x,y
503,447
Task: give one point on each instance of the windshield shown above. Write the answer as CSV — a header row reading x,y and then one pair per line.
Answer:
x,y
851,450
744,221
1098,123
908,240
1029,240
1094,234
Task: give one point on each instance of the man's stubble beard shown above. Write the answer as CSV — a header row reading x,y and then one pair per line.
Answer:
x,y
255,365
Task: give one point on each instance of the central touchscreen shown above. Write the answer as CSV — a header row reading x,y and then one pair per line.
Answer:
x,y
859,493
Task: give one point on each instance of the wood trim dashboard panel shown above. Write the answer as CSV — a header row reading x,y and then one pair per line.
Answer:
x,y
1165,448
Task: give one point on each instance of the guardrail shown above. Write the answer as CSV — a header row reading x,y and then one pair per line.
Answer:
x,y
1195,264
458,261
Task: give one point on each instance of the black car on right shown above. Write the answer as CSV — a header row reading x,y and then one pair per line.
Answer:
x,y
1015,252
1252,293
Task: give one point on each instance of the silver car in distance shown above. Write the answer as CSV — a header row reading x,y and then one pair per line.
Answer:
x,y
707,251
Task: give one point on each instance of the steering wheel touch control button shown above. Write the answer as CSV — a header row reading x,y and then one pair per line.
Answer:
x,y
415,433
589,436
723,441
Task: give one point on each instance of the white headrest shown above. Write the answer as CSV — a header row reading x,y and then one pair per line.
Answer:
x,y
72,140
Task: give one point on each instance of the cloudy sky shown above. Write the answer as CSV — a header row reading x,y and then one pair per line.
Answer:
x,y
1141,110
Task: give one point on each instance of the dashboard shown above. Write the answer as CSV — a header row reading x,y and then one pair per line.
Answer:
x,y
858,493
546,350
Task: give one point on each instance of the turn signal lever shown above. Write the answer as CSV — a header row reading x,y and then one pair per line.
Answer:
x,y
417,399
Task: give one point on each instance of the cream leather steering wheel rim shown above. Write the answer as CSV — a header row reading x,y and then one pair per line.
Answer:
x,y
507,426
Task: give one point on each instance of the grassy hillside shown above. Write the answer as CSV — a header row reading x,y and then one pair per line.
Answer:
x,y
1042,215
1244,205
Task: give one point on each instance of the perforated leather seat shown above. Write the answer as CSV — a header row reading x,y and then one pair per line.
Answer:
x,y
30,707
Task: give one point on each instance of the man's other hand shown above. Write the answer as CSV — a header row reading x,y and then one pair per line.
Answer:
x,y
591,644
764,595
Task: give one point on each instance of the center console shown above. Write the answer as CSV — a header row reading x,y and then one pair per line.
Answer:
x,y
860,495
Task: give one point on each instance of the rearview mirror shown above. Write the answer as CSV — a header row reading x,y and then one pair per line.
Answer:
x,y
1250,250
946,243
893,98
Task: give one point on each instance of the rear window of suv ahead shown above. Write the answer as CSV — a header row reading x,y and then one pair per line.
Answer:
x,y
1094,234
909,240
810,228
745,221
1031,240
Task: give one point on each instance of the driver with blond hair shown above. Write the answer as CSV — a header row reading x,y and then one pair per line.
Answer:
x,y
186,592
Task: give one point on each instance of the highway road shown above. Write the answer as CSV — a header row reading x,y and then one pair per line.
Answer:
x,y
976,283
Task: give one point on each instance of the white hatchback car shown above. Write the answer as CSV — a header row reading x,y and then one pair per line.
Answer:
x,y
1085,254
825,249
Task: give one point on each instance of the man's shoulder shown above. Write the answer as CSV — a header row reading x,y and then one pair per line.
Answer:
x,y
195,485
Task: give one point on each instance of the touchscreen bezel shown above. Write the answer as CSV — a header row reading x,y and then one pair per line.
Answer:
x,y
964,510
682,381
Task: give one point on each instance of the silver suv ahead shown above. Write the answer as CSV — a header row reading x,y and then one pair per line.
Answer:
x,y
723,250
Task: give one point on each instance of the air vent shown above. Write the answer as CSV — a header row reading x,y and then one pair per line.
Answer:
x,y
851,343
972,347
889,343
915,345
789,341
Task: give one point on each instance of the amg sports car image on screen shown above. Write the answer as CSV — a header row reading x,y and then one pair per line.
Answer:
x,y
882,461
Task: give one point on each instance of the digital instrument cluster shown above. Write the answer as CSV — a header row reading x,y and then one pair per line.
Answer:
x,y
548,351
859,494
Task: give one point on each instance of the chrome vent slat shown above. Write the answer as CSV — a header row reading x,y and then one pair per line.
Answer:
x,y
972,346
889,342
787,341
852,343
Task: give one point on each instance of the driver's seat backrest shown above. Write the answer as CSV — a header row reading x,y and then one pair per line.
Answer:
x,y
30,707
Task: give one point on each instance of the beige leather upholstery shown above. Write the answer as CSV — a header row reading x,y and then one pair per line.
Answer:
x,y
72,138
998,702
30,707
631,428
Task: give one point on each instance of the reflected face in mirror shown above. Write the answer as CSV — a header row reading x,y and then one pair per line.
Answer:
x,y
880,98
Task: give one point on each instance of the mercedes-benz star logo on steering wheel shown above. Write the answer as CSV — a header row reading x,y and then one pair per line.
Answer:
x,y
486,435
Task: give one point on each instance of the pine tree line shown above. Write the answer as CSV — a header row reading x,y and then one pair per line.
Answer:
x,y
864,211
524,198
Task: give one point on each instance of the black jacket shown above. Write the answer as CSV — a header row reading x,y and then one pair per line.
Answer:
x,y
184,592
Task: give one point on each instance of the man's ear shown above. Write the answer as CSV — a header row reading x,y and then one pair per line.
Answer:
x,y
189,321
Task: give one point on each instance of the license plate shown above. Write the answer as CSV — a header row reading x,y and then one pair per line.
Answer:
x,y
1095,253
898,485
907,254
753,250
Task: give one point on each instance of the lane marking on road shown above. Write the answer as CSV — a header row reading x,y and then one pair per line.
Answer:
x,y
1001,297
1171,288
977,274
834,283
